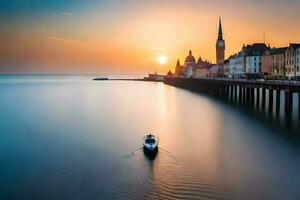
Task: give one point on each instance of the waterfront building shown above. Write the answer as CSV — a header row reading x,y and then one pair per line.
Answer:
x,y
226,68
298,61
253,58
178,69
203,72
220,46
278,62
202,68
191,68
232,68
237,63
216,70
155,77
202,63
189,64
290,61
266,63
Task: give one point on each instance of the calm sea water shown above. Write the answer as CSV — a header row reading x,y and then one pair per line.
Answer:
x,y
68,137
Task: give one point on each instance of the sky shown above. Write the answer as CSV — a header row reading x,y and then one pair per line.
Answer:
x,y
128,36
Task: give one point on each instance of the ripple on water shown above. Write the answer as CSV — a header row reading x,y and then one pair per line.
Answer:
x,y
162,178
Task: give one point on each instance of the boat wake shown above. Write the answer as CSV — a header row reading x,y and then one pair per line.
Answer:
x,y
164,177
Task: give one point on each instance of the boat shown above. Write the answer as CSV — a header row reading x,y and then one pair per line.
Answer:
x,y
150,144
101,79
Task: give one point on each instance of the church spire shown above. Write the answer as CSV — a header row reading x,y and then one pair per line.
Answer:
x,y
220,37
178,63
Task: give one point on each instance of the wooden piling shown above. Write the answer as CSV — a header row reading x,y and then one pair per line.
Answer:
x,y
277,101
288,101
270,100
263,100
257,97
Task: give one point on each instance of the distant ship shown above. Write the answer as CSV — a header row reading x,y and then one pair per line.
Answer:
x,y
100,79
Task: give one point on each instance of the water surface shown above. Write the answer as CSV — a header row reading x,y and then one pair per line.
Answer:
x,y
68,137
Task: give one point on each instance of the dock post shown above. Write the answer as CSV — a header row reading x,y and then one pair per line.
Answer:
x,y
227,91
248,96
235,93
298,103
288,101
257,96
240,94
231,92
270,100
263,100
245,95
277,101
252,95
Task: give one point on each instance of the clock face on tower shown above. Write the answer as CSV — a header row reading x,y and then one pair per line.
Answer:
x,y
220,43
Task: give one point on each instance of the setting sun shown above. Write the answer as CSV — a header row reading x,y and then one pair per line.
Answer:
x,y
162,59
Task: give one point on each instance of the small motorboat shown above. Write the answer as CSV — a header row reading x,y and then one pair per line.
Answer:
x,y
150,144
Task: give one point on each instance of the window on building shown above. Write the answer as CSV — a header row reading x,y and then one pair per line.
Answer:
x,y
254,70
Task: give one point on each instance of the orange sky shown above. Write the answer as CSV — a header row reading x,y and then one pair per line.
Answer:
x,y
112,38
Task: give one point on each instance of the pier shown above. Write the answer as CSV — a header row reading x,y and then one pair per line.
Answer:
x,y
253,93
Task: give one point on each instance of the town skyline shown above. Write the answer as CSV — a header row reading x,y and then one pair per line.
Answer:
x,y
93,38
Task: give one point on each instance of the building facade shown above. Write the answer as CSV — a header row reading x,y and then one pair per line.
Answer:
x,y
189,65
226,72
232,67
298,61
290,61
266,63
216,70
203,72
253,58
237,62
191,68
278,62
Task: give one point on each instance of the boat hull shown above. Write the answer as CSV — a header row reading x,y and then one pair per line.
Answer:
x,y
150,154
152,151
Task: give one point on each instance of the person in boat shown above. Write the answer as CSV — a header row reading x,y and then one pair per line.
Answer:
x,y
150,139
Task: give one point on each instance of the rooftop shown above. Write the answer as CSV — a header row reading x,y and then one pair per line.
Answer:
x,y
257,49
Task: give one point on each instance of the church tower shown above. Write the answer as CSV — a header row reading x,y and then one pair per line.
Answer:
x,y
178,69
220,46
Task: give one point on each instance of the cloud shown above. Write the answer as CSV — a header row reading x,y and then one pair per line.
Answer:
x,y
152,46
61,39
67,13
